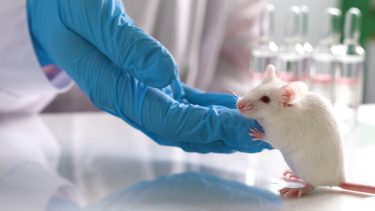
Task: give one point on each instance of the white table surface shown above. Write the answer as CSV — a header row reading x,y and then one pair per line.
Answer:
x,y
105,159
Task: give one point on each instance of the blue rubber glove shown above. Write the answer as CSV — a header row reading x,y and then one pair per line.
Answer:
x,y
129,74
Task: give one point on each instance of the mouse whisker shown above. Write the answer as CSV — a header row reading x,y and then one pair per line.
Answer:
x,y
235,95
235,98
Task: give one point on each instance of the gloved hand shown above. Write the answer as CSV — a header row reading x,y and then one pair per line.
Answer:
x,y
129,74
200,114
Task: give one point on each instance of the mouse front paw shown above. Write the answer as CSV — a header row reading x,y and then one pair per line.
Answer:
x,y
256,134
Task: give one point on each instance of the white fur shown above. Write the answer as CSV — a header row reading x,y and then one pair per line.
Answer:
x,y
306,133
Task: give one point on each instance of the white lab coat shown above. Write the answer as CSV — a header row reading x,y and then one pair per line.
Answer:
x,y
210,40
24,88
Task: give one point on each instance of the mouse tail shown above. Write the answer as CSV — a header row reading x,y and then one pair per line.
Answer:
x,y
358,187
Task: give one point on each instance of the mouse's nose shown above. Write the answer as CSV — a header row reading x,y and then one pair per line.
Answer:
x,y
244,106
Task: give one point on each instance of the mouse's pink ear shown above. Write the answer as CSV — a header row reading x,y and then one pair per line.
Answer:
x,y
293,92
269,74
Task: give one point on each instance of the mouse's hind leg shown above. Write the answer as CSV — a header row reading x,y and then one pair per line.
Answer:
x,y
296,192
287,192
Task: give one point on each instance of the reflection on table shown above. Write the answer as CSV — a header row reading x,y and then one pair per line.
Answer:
x,y
93,161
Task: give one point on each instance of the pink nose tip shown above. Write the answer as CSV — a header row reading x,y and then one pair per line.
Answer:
x,y
244,106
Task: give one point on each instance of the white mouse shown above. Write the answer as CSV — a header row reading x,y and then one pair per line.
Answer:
x,y
300,124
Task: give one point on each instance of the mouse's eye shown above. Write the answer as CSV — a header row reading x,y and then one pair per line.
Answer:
x,y
265,99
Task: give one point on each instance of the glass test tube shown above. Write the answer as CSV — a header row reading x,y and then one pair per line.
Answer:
x,y
324,56
304,75
349,75
289,62
266,50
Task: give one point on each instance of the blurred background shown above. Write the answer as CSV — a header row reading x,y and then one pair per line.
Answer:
x,y
213,40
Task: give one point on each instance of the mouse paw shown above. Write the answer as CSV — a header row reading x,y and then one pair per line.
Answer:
x,y
256,134
296,192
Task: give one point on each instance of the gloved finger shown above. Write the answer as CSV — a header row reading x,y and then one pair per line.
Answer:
x,y
255,148
175,90
106,26
199,97
178,89
221,147
212,147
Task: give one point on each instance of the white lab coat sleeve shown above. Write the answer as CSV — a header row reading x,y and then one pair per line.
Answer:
x,y
24,87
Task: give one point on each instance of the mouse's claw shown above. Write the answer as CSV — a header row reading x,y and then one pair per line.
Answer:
x,y
296,192
287,173
290,176
291,193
